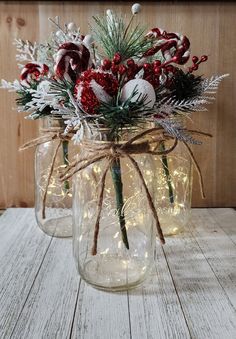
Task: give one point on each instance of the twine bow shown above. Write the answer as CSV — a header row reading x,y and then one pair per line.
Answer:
x,y
97,151
49,134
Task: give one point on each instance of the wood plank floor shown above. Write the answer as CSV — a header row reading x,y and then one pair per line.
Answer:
x,y
191,292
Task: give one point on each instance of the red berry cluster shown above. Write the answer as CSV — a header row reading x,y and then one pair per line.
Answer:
x,y
196,62
153,71
117,68
84,92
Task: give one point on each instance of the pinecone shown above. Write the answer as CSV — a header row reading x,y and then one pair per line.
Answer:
x,y
185,85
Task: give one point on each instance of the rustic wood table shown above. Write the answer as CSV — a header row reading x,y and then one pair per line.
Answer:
x,y
190,294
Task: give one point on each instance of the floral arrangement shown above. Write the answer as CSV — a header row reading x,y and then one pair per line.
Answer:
x,y
116,77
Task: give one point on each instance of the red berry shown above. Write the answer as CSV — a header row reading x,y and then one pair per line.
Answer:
x,y
117,58
106,64
114,69
204,58
122,69
195,67
157,63
195,59
157,70
130,62
146,67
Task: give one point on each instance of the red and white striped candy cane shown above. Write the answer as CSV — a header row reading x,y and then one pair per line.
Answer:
x,y
71,59
173,46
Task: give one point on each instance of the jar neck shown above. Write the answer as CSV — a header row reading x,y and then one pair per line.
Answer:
x,y
53,123
99,133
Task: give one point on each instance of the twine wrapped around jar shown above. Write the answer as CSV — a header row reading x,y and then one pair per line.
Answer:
x,y
145,142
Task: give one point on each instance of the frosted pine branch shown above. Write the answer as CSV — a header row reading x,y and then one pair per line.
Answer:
x,y
176,130
11,86
27,52
211,85
171,105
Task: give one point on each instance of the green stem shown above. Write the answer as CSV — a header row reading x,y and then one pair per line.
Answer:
x,y
66,162
118,186
165,166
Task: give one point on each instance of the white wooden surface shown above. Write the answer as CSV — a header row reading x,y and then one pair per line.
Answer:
x,y
191,292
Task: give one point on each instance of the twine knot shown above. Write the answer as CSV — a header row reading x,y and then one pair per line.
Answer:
x,y
114,151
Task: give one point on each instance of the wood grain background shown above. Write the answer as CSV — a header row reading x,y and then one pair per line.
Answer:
x,y
212,31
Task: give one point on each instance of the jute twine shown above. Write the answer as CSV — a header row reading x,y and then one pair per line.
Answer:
x,y
143,143
49,134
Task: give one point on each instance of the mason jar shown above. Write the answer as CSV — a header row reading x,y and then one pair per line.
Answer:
x,y
126,239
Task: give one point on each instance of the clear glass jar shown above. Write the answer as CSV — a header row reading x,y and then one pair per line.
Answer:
x,y
53,198
114,267
173,187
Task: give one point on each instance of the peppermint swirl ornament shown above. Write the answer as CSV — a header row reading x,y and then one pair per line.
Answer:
x,y
33,72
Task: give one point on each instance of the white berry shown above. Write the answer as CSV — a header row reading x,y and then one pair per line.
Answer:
x,y
72,26
136,8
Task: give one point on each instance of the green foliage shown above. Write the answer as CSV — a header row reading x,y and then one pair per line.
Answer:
x,y
115,36
24,98
130,113
60,89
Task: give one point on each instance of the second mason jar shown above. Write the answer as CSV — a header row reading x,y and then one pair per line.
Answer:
x,y
173,188
53,198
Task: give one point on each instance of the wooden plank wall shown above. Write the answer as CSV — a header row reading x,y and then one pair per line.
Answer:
x,y
212,31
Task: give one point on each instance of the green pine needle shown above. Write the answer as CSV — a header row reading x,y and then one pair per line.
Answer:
x,y
24,98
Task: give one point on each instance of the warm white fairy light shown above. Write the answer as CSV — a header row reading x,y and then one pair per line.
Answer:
x,y
106,251
116,235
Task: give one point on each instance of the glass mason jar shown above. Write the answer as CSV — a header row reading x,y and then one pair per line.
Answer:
x,y
53,198
173,187
124,206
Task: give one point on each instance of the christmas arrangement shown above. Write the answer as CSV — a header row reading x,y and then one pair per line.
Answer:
x,y
118,77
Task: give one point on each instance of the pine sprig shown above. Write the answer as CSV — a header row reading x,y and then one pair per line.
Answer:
x,y
172,106
37,113
175,129
114,36
24,98
211,85
27,51
118,115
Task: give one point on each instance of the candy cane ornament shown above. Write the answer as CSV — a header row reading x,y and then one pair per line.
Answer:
x,y
71,60
173,46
